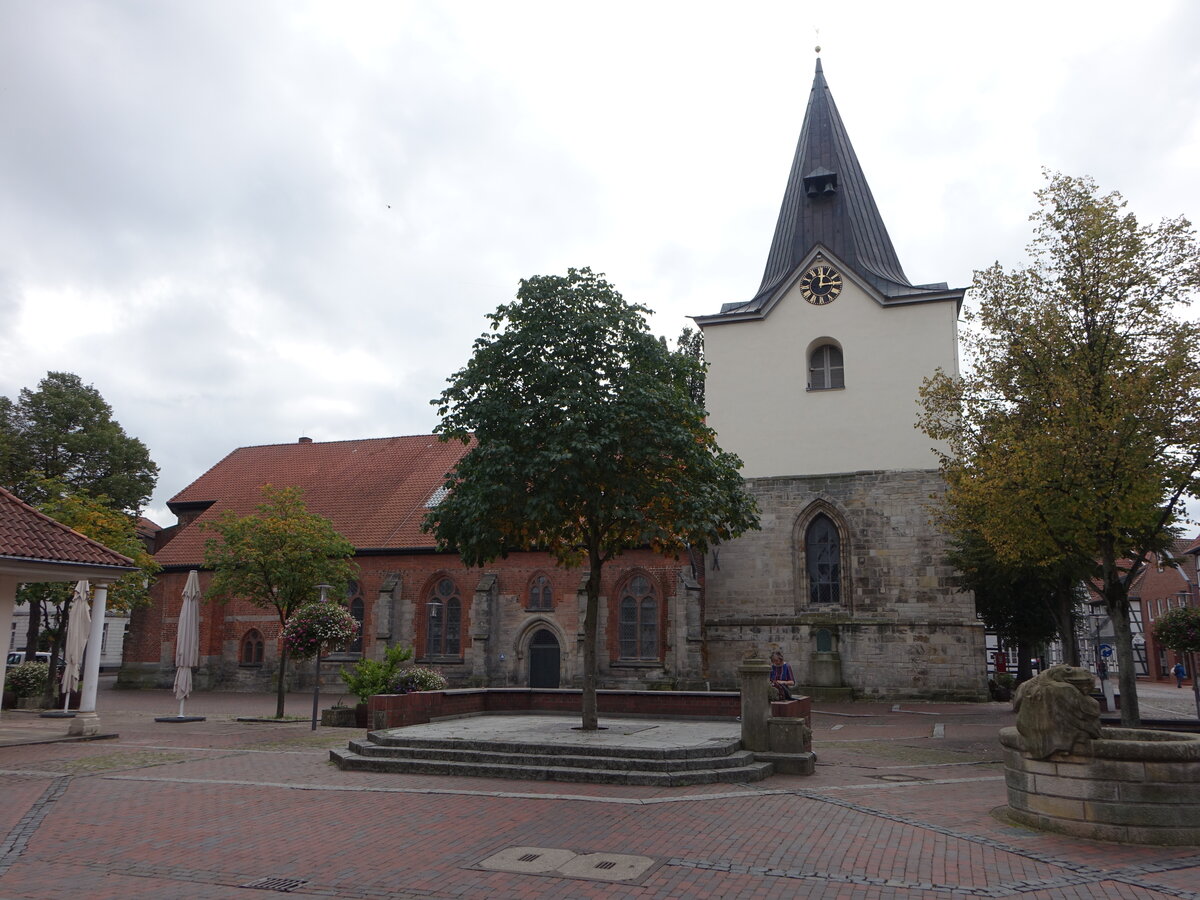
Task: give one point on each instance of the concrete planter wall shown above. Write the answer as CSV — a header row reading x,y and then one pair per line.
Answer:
x,y
1133,786
399,710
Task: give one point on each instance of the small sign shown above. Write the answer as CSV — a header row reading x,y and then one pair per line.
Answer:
x,y
1105,651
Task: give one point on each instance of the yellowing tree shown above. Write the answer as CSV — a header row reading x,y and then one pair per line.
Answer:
x,y
1073,434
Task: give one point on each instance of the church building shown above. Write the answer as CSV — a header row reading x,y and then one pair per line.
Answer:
x,y
812,382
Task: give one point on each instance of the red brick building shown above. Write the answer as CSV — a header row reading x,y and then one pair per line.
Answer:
x,y
1167,583
518,621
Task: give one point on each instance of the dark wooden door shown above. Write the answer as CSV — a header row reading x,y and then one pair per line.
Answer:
x,y
543,660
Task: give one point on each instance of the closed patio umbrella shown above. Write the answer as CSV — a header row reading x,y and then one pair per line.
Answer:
x,y
79,624
187,643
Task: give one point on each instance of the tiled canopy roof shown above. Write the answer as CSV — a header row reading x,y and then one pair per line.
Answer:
x,y
30,537
374,491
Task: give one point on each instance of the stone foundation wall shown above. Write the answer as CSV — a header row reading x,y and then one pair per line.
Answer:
x,y
1132,786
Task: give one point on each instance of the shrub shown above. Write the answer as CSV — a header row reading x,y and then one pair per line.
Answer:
x,y
418,678
1179,629
28,679
368,677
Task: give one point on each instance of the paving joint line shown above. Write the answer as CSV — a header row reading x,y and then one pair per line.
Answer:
x,y
17,839
1091,874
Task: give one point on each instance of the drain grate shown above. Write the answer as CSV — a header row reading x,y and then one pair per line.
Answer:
x,y
282,885
530,857
607,864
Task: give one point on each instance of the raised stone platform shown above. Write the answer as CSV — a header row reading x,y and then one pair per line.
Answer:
x,y
552,748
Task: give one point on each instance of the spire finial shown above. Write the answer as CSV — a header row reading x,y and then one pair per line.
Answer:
x,y
818,47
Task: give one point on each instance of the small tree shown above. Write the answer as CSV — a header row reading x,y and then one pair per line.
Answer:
x,y
1179,630
587,443
1075,430
275,558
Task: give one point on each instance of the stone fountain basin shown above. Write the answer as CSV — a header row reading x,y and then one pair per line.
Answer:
x,y
1132,785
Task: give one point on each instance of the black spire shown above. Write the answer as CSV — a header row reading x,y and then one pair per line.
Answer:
x,y
828,202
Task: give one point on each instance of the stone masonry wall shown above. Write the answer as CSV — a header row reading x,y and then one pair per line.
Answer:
x,y
902,629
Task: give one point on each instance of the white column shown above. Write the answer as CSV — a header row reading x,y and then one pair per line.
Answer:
x,y
8,599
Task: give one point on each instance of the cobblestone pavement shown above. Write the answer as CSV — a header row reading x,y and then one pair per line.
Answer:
x,y
902,806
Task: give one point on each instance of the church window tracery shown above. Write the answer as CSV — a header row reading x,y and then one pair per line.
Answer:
x,y
638,620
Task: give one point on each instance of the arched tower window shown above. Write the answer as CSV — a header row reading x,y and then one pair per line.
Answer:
x,y
823,555
443,614
540,595
825,368
251,648
638,619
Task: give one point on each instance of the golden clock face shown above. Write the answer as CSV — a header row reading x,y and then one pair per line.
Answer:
x,y
821,284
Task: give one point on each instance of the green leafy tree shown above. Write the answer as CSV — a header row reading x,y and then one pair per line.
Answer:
x,y
64,431
587,443
1073,435
1026,606
691,344
275,558
61,437
1179,630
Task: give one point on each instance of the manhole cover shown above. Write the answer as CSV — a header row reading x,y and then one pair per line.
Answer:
x,y
556,861
282,885
900,778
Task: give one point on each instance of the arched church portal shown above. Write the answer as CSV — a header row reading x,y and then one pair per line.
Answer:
x,y
544,660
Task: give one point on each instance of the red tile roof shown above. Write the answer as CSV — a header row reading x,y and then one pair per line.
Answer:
x,y
29,535
374,491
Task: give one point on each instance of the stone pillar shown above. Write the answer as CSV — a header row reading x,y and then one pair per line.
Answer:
x,y
755,676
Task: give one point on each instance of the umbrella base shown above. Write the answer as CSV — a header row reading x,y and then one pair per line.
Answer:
x,y
179,718
57,714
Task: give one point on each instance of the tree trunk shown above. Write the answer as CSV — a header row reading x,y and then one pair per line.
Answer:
x,y
281,689
1024,661
1064,618
1118,612
34,630
591,718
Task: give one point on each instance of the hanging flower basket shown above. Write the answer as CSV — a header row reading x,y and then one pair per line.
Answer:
x,y
318,628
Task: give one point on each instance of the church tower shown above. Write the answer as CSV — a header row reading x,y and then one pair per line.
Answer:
x,y
813,383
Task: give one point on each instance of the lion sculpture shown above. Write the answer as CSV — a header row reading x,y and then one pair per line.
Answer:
x,y
1055,711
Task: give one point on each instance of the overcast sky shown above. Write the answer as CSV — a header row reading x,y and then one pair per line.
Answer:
x,y
246,221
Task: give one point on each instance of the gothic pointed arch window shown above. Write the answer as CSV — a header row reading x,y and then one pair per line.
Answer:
x,y
443,619
638,620
540,595
251,648
823,560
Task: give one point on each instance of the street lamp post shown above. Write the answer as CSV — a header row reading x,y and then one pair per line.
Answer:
x,y
324,588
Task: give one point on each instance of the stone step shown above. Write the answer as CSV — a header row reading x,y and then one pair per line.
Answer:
x,y
349,761
490,754
716,747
